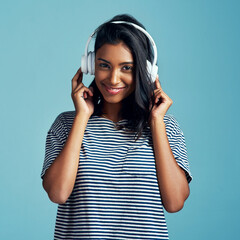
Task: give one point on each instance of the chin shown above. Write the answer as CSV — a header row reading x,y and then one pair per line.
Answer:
x,y
113,99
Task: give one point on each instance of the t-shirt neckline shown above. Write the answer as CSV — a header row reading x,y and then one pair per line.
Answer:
x,y
109,120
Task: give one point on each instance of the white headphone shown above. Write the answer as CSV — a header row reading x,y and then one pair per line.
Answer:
x,y
88,60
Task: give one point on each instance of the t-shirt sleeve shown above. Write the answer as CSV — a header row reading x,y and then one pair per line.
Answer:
x,y
55,140
178,146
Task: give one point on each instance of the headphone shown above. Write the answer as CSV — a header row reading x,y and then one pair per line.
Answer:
x,y
88,59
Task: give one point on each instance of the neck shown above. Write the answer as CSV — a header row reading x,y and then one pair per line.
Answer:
x,y
112,111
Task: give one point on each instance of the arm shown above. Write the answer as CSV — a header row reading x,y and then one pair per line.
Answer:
x,y
172,180
60,177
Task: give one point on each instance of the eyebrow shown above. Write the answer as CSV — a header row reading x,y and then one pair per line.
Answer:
x,y
101,59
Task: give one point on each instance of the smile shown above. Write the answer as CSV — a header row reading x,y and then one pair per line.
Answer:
x,y
113,90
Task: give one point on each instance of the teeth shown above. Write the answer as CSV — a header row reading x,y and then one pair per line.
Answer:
x,y
114,89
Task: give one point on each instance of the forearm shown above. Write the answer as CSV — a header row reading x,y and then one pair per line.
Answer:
x,y
60,178
172,181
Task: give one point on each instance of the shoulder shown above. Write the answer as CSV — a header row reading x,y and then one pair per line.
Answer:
x,y
64,120
170,120
66,116
172,125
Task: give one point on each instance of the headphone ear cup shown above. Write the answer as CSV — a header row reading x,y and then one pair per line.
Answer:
x,y
84,64
92,63
88,63
89,56
149,69
152,71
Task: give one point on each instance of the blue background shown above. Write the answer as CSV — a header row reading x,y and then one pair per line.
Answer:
x,y
199,52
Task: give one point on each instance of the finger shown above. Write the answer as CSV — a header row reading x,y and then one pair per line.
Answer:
x,y
157,91
91,88
90,93
84,92
77,79
158,96
78,87
87,92
161,94
87,95
157,83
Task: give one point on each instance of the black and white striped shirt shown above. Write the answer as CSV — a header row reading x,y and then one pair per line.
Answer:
x,y
116,193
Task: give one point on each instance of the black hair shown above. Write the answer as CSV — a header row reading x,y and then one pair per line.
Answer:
x,y
136,108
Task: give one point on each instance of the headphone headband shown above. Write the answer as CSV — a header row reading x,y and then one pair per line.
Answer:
x,y
146,33
87,62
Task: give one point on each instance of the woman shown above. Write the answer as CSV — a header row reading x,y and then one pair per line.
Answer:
x,y
118,160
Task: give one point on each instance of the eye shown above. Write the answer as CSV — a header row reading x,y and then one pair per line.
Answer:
x,y
127,68
104,65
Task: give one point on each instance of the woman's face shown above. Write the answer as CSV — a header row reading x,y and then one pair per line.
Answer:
x,y
114,72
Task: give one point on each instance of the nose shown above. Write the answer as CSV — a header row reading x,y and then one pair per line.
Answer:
x,y
114,77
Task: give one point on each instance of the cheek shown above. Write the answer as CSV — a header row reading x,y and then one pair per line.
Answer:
x,y
100,75
131,84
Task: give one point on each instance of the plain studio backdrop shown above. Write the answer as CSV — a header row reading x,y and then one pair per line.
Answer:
x,y
41,45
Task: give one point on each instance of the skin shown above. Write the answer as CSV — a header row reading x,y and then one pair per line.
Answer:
x,y
172,181
114,68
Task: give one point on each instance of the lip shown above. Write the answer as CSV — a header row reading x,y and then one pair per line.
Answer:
x,y
113,91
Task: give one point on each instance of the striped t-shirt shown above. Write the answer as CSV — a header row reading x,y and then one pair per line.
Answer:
x,y
116,193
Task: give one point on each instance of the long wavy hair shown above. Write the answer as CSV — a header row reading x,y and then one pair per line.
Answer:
x,y
136,108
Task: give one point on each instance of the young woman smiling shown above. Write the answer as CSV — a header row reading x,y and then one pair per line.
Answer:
x,y
115,163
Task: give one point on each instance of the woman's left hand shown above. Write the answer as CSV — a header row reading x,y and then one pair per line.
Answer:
x,y
159,109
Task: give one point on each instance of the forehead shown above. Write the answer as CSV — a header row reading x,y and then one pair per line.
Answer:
x,y
116,52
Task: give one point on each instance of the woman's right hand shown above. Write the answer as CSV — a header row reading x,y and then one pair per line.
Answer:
x,y
81,95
